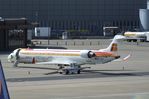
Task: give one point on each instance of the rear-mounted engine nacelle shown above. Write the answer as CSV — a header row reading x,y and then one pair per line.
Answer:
x,y
87,54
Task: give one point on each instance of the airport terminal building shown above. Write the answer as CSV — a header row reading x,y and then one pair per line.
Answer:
x,y
86,16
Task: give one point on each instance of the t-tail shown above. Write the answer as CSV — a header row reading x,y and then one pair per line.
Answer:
x,y
3,86
113,47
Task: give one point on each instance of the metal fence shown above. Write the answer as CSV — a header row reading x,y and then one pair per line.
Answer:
x,y
72,42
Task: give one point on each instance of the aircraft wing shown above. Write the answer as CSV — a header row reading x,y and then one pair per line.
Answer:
x,y
56,62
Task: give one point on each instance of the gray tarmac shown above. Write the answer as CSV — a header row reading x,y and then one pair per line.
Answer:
x,y
114,80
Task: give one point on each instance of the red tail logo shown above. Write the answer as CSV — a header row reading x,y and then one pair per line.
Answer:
x,y
114,47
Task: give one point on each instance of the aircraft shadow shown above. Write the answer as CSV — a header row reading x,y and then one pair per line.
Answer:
x,y
112,73
103,72
44,68
31,67
77,76
94,72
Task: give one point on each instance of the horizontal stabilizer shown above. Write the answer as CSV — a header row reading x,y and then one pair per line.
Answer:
x,y
127,57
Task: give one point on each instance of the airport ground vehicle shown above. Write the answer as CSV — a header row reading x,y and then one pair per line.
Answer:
x,y
137,36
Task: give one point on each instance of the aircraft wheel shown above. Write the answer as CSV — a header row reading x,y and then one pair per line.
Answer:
x,y
60,72
66,72
78,72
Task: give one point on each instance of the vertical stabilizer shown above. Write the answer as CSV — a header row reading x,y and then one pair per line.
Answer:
x,y
113,47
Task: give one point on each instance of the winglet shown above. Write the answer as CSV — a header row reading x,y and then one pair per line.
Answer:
x,y
124,59
127,57
3,86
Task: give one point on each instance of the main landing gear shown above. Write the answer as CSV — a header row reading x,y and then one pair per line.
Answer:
x,y
71,69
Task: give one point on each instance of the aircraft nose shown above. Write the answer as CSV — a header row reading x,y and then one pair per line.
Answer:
x,y
10,58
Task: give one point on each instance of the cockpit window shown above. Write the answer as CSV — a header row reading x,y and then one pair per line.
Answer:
x,y
11,56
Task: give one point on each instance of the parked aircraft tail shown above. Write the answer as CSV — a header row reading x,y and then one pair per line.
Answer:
x,y
3,86
113,45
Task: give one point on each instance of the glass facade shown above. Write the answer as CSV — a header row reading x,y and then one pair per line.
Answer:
x,y
16,38
13,33
81,15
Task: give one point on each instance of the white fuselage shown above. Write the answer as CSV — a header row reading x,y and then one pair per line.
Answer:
x,y
56,56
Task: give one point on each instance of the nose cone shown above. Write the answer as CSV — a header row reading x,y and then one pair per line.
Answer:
x,y
10,58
